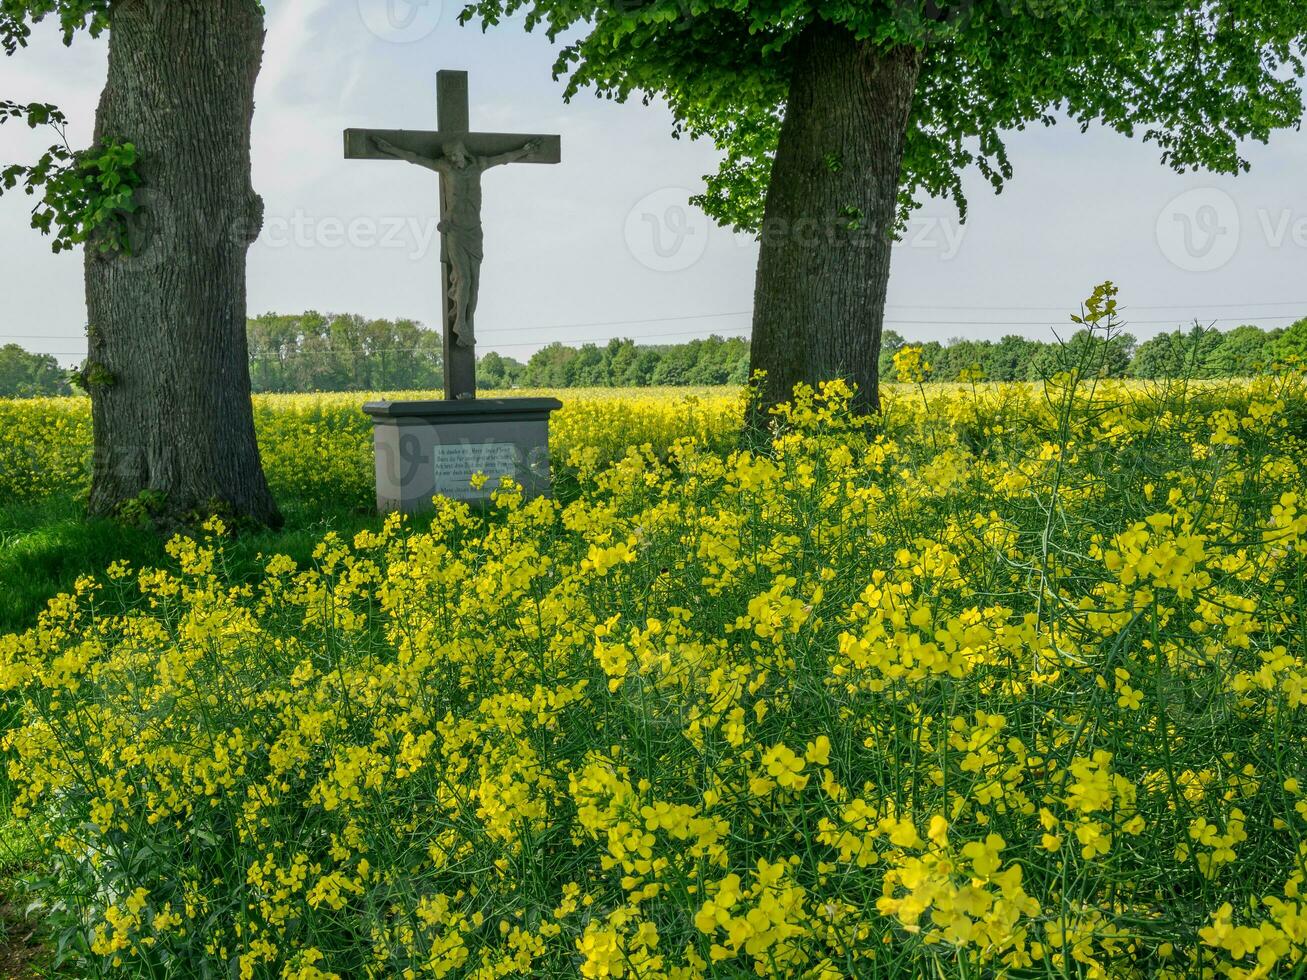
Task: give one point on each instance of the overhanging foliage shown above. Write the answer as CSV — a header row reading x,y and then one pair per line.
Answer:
x,y
1195,77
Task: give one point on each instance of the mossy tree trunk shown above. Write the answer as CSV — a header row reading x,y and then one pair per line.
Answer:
x,y
824,265
168,364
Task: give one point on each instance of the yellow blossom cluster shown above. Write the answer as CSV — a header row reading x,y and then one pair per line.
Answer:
x,y
319,446
46,447
1006,681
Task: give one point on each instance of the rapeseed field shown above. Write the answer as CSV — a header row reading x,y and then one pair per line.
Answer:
x,y
1010,680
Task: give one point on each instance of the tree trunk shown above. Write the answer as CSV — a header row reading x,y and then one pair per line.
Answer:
x,y
168,368
824,265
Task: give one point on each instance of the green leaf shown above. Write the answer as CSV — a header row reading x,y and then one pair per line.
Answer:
x,y
1200,78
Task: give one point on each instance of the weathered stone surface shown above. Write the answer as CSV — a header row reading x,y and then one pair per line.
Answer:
x,y
425,449
460,158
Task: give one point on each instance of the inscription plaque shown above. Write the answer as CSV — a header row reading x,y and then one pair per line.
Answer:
x,y
433,449
457,463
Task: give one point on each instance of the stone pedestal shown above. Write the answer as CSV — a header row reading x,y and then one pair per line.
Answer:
x,y
434,448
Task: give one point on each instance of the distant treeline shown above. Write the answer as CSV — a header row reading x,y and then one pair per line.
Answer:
x,y
313,352
26,375
316,352
1199,352
622,364
348,353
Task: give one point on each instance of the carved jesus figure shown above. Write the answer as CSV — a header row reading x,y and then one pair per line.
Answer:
x,y
460,190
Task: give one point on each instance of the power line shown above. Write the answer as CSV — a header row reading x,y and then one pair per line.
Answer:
x,y
1125,321
890,322
691,334
619,323
937,323
547,326
1125,307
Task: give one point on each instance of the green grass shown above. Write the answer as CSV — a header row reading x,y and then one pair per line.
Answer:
x,y
46,546
22,947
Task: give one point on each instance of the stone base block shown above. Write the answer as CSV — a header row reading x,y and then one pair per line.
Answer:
x,y
434,448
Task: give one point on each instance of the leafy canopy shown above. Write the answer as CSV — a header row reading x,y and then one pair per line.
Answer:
x,y
18,16
1195,77
86,194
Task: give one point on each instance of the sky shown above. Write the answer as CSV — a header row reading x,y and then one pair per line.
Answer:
x,y
604,245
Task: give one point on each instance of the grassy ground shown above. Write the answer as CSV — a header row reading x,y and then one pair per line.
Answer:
x,y
46,546
21,949
773,681
318,451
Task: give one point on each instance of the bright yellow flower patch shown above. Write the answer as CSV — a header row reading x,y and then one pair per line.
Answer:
x,y
1009,681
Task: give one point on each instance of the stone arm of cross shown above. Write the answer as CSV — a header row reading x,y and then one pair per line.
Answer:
x,y
512,156
438,164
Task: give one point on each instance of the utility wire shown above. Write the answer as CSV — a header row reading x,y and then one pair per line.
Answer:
x,y
896,322
889,322
1130,306
693,335
547,326
1125,321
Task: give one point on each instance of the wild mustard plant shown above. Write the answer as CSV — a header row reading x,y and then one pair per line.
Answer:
x,y
319,446
1015,685
46,449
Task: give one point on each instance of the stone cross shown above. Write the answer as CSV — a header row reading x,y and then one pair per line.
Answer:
x,y
460,157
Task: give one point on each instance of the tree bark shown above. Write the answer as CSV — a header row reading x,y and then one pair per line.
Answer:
x,y
823,271
168,366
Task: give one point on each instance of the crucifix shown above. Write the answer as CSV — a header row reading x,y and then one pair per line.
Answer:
x,y
460,157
